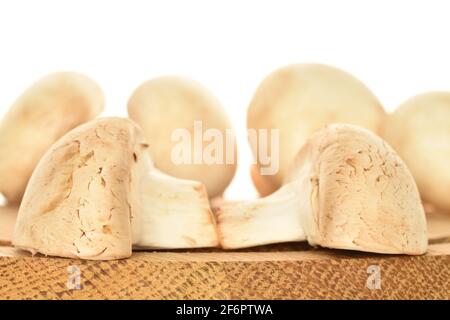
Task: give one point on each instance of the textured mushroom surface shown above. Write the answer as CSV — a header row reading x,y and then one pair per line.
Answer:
x,y
78,202
303,98
358,194
47,110
164,105
419,130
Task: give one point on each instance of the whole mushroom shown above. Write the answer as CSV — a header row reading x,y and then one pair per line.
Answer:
x,y
419,130
164,105
47,110
299,100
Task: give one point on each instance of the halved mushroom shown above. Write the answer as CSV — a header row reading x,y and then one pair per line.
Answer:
x,y
347,189
95,193
299,100
47,110
167,105
419,130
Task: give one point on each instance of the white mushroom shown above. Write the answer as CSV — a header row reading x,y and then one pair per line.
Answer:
x,y
95,193
47,110
299,100
347,189
419,130
166,104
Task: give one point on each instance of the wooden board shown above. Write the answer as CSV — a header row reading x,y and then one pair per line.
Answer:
x,y
283,271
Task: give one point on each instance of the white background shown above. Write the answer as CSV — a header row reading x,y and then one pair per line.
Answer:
x,y
398,48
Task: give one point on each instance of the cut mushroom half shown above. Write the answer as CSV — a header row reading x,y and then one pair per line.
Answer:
x,y
95,194
347,189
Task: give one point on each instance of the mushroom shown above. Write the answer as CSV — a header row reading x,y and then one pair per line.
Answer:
x,y
347,189
299,100
95,193
263,186
47,110
419,130
169,105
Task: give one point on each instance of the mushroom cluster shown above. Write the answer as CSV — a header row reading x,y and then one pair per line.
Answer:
x,y
100,188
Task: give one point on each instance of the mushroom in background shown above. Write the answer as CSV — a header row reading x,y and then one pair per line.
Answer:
x,y
163,105
47,110
347,189
95,194
299,100
419,130
263,185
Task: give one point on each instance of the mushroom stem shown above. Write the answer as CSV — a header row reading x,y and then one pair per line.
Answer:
x,y
272,219
175,213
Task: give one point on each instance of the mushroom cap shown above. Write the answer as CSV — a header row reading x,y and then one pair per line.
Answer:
x,y
47,110
80,199
358,193
419,130
302,98
165,104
